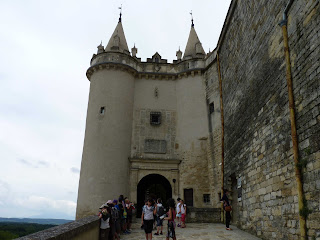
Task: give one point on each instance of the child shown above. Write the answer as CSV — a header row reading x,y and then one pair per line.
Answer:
x,y
183,208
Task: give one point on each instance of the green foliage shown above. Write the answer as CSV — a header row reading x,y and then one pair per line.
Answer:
x,y
307,150
9,230
4,235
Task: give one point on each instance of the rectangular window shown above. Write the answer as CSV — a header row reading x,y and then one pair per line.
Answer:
x,y
211,107
188,197
155,118
102,111
206,198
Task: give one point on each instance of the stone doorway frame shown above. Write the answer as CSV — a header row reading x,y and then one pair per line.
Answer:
x,y
141,167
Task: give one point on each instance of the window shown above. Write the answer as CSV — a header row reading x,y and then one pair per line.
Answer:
x,y
206,198
155,118
188,197
211,107
102,111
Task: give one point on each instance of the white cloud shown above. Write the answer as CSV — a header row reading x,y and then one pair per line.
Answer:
x,y
46,48
46,206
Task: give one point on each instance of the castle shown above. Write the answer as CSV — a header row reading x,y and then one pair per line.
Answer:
x,y
208,121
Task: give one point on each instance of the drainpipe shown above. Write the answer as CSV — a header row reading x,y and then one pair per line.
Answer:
x,y
298,169
222,136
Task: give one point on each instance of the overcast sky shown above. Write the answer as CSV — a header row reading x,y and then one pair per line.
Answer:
x,y
46,47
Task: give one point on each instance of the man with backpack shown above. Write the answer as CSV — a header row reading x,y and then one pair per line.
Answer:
x,y
160,212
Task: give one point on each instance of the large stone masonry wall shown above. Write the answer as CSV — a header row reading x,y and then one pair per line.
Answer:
x,y
214,139
258,146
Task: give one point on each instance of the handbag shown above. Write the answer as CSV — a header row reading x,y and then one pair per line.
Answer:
x,y
228,208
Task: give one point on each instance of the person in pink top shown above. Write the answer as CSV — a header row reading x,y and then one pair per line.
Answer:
x,y
171,216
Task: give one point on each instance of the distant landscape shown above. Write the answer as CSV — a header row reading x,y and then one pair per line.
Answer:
x,y
11,228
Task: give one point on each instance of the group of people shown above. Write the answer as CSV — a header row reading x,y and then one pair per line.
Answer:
x,y
154,213
115,218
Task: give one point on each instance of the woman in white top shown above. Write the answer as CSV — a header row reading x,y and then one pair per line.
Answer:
x,y
104,223
147,218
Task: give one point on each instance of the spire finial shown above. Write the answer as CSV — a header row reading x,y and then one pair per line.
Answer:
x,y
120,13
192,25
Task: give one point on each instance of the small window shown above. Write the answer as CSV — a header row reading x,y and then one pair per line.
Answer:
x,y
155,118
156,59
206,198
211,107
102,109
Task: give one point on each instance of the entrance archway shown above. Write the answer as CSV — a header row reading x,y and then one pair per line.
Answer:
x,y
154,186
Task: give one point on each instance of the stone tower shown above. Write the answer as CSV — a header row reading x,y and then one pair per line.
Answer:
x,y
147,127
108,126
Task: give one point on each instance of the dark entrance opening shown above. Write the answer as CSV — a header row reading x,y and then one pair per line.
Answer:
x,y
152,186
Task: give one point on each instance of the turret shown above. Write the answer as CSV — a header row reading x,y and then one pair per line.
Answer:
x,y
194,47
134,51
107,144
179,54
100,48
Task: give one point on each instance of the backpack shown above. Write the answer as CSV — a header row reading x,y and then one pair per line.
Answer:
x,y
160,211
115,213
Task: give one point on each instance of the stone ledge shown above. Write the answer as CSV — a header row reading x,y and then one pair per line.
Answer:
x,y
203,215
65,231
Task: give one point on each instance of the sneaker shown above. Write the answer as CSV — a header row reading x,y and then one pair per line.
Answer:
x,y
156,233
179,225
228,229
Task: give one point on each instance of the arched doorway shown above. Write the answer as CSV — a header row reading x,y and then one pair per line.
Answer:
x,y
154,186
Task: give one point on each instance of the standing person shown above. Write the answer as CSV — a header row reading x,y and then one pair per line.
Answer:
x,y
129,207
171,216
115,220
111,220
123,215
118,219
104,223
147,218
227,208
183,208
178,211
159,214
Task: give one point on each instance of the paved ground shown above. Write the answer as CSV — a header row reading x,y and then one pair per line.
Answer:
x,y
195,231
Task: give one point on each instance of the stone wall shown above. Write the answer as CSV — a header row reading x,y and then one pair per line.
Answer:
x,y
83,229
203,215
214,153
258,147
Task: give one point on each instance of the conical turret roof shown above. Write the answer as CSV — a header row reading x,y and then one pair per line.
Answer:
x,y
194,47
118,41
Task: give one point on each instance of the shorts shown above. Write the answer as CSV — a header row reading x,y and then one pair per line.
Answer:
x,y
123,222
117,226
178,215
129,219
148,226
159,221
183,217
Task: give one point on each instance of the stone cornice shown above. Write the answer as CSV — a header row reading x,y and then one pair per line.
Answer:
x,y
149,70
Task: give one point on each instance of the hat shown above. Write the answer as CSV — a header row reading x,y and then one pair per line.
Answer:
x,y
115,201
101,206
109,202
